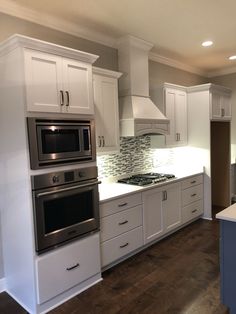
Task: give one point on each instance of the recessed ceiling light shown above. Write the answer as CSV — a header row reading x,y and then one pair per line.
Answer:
x,y
232,58
207,43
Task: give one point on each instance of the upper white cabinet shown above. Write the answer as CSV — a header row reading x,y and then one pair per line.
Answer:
x,y
172,100
105,87
220,101
57,84
176,110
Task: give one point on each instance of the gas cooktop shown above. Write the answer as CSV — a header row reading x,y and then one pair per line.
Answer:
x,y
146,178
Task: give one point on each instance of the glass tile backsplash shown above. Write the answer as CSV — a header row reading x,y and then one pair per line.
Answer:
x,y
135,155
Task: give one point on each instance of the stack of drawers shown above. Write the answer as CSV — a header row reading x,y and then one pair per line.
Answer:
x,y
121,227
192,198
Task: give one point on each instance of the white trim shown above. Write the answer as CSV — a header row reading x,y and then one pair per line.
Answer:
x,y
2,284
176,64
106,72
222,72
14,9
17,40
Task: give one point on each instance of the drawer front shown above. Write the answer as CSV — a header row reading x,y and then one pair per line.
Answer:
x,y
192,194
192,182
116,224
67,267
192,211
119,204
120,246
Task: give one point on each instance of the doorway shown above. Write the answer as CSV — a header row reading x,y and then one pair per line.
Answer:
x,y
220,166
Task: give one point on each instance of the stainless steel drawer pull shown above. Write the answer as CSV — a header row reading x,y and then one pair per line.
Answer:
x,y
124,245
123,222
68,98
62,97
192,182
123,204
194,194
72,267
194,211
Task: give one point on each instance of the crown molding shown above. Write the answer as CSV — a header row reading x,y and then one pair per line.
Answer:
x,y
222,72
14,9
176,64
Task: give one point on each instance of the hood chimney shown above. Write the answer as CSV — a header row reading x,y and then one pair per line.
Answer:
x,y
138,114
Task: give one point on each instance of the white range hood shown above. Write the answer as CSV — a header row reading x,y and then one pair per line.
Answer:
x,y
138,114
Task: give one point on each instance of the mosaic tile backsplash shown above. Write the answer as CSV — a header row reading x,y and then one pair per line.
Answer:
x,y
135,155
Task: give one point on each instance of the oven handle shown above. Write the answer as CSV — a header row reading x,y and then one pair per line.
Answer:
x,y
67,189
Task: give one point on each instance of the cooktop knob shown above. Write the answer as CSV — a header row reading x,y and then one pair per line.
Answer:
x,y
55,179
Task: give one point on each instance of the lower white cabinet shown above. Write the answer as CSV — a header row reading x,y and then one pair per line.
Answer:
x,y
121,227
122,245
66,267
161,211
192,198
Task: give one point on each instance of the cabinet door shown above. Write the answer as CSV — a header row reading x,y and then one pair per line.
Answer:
x,y
172,207
152,215
181,117
43,78
106,113
77,78
226,107
176,111
216,105
170,114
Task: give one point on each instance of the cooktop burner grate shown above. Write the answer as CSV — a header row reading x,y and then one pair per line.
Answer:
x,y
146,178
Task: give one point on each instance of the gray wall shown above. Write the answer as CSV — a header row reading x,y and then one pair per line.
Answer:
x,y
159,73
11,25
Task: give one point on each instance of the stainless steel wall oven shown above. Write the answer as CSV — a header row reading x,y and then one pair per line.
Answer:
x,y
55,142
66,206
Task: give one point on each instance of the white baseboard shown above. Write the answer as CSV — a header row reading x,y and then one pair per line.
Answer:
x,y
2,285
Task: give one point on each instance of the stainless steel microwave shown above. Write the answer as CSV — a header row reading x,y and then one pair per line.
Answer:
x,y
55,142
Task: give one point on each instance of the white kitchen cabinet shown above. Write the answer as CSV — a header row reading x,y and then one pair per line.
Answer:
x,y
121,227
105,88
172,100
220,105
176,110
38,283
209,136
161,211
192,198
66,267
57,84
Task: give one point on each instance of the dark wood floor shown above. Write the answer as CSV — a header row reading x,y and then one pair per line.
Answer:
x,y
180,274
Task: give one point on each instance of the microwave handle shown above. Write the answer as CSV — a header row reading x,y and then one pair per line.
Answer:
x,y
67,189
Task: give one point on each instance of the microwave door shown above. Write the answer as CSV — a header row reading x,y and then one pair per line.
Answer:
x,y
58,142
86,141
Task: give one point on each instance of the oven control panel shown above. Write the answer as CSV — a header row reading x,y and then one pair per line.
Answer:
x,y
63,177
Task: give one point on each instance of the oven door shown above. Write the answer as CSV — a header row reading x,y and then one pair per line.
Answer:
x,y
65,213
63,142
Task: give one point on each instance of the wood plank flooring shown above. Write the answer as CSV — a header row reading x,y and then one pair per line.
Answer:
x,y
180,274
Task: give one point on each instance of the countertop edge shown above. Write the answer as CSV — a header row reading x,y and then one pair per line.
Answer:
x,y
228,214
138,189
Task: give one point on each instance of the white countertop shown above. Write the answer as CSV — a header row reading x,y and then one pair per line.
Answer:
x,y
108,191
228,214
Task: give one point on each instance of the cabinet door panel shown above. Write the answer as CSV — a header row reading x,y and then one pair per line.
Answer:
x,y
172,207
153,218
43,81
170,114
216,105
181,117
226,107
77,78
